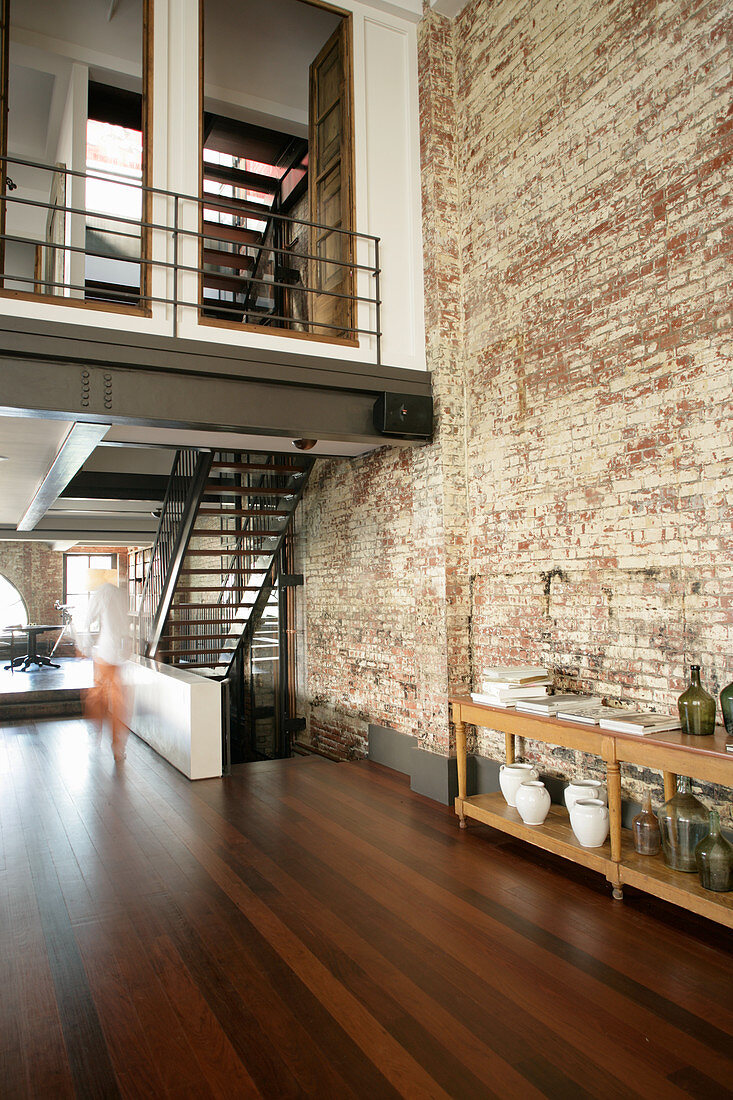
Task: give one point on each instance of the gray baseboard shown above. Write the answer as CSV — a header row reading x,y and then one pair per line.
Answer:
x,y
436,776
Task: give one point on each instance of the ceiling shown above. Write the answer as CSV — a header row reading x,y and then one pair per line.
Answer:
x,y
141,456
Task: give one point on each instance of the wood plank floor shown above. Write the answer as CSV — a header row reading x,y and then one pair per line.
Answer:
x,y
305,928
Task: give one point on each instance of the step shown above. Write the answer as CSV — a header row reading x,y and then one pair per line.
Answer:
x,y
235,234
224,552
196,652
237,207
202,637
220,258
221,588
260,467
244,533
233,572
247,181
212,488
233,283
254,513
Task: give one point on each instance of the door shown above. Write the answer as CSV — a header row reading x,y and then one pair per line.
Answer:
x,y
331,193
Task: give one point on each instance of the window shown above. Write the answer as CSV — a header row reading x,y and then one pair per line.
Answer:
x,y
12,608
78,584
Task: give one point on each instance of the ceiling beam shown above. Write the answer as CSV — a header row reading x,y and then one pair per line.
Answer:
x,y
79,443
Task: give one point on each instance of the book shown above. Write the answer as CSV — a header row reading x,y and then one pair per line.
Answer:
x,y
589,716
550,704
524,674
507,685
640,722
491,700
514,691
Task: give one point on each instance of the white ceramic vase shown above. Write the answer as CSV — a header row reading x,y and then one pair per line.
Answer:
x,y
511,776
584,788
533,802
589,819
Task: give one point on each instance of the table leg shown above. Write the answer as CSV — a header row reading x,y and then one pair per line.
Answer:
x,y
461,762
670,784
509,747
613,776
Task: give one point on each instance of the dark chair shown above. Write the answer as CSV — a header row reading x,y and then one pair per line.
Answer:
x,y
8,644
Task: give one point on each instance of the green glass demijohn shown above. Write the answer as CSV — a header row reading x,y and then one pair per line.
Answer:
x,y
683,822
726,705
714,858
696,707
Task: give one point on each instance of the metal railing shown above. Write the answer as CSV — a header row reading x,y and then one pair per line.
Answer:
x,y
185,257
188,476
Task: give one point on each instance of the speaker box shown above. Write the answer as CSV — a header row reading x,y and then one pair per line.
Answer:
x,y
404,414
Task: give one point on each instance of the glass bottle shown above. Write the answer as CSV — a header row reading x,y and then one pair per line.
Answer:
x,y
683,823
696,707
714,858
726,705
647,837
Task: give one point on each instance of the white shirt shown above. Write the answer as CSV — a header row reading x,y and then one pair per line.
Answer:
x,y
107,610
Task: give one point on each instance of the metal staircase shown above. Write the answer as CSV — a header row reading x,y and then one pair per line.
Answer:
x,y
215,560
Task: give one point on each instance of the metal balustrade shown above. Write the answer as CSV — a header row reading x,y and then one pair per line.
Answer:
x,y
181,260
189,473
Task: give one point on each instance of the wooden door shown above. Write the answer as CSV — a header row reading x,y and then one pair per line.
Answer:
x,y
331,190
4,66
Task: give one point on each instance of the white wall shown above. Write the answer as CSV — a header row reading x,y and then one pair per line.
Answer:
x,y
179,715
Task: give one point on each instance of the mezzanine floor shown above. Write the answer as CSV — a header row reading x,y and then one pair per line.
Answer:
x,y
304,928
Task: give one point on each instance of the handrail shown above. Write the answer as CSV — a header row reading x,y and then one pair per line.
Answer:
x,y
230,285
190,468
178,549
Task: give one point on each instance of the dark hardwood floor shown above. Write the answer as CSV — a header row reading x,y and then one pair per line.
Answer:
x,y
304,928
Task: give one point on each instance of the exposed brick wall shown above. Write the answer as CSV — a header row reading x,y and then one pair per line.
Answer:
x,y
37,573
577,248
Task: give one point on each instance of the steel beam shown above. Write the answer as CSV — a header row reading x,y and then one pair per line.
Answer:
x,y
79,443
106,394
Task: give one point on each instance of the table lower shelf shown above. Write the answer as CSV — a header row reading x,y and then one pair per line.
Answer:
x,y
647,873
651,874
555,835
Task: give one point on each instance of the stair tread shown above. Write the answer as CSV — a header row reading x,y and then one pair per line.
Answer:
x,y
236,512
221,258
237,207
235,234
251,181
260,467
245,490
247,532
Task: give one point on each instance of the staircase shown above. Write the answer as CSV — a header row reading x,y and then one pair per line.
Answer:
x,y
225,572
245,269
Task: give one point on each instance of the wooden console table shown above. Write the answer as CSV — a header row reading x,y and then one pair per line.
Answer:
x,y
703,758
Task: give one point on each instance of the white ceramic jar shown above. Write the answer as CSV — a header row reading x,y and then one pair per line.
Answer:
x,y
511,776
584,788
589,819
533,802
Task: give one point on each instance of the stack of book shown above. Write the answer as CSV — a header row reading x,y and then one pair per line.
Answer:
x,y
641,722
549,706
505,687
589,710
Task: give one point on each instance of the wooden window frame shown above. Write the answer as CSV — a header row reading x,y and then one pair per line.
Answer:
x,y
240,326
145,309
